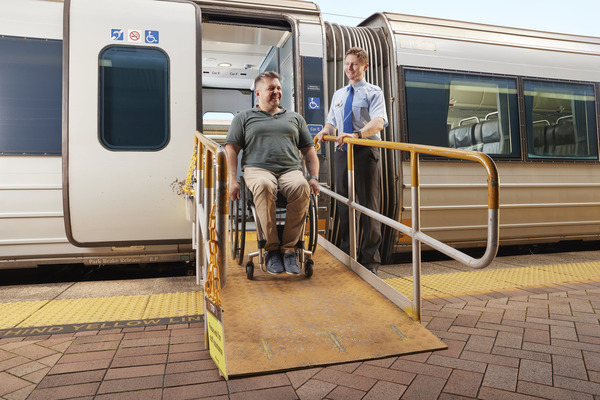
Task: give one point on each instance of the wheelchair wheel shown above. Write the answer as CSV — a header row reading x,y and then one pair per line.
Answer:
x,y
250,270
308,268
237,224
242,231
234,214
312,229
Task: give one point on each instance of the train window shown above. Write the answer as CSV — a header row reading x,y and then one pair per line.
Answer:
x,y
216,125
134,98
30,96
463,111
561,120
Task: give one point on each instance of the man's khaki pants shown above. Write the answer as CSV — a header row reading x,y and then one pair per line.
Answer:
x,y
264,184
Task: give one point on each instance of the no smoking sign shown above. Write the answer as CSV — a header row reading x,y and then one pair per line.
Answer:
x,y
135,35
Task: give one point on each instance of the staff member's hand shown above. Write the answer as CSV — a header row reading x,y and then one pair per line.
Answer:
x,y
341,136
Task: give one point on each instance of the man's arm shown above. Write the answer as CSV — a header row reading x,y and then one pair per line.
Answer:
x,y
232,164
312,164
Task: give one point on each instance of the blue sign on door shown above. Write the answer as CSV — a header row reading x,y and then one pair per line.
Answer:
x,y
151,36
314,103
116,34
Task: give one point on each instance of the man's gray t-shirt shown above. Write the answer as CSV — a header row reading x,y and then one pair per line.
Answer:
x,y
270,141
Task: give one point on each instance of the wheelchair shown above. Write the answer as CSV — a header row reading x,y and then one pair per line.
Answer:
x,y
242,214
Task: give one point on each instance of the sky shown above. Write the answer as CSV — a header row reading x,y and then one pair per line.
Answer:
x,y
579,17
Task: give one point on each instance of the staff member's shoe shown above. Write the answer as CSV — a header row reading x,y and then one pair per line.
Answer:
x,y
290,263
273,260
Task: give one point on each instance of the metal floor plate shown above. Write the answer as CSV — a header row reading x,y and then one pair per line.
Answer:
x,y
282,322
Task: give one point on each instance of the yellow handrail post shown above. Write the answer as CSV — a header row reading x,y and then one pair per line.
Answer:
x,y
415,192
351,198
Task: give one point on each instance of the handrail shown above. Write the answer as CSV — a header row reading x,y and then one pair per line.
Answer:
x,y
414,231
214,193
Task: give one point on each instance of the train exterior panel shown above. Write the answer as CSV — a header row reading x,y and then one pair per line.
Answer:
x,y
528,99
99,102
97,179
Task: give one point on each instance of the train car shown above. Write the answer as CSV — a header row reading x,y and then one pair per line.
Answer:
x,y
528,99
99,101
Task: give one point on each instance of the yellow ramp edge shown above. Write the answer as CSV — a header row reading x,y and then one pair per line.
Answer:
x,y
100,309
482,281
284,322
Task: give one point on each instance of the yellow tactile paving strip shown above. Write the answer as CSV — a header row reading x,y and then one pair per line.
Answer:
x,y
120,308
482,281
100,309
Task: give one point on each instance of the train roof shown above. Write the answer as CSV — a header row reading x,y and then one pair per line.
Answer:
x,y
296,6
427,27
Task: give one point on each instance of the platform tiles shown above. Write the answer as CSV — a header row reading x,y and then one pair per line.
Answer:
x,y
284,322
72,315
484,281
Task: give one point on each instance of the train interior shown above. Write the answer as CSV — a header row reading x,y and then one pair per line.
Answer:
x,y
234,52
480,113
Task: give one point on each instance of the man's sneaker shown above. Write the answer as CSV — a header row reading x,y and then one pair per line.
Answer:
x,y
274,265
290,262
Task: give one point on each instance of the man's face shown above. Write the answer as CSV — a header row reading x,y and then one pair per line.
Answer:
x,y
354,68
268,92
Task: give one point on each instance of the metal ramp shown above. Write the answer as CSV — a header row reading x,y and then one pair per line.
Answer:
x,y
342,313
283,322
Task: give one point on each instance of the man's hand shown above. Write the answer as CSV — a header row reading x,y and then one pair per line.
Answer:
x,y
314,186
234,190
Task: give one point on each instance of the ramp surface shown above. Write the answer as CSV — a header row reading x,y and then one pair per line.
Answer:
x,y
282,322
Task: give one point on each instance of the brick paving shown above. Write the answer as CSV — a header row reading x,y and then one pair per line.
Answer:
x,y
535,343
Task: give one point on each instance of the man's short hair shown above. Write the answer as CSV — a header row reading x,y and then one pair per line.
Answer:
x,y
359,53
266,74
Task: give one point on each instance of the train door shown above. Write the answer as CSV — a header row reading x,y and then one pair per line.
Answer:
x,y
130,111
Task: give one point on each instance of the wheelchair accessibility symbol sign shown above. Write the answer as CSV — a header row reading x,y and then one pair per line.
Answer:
x,y
314,103
151,37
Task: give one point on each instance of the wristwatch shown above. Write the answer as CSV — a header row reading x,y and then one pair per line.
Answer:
x,y
314,177
359,133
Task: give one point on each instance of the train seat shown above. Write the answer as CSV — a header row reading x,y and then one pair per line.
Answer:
x,y
478,137
564,139
451,139
491,137
464,137
539,138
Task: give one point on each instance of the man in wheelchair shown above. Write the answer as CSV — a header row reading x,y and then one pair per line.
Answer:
x,y
270,137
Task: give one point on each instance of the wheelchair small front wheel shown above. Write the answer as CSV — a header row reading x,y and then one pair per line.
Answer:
x,y
308,268
250,270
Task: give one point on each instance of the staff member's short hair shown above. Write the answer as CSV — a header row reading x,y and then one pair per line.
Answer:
x,y
360,53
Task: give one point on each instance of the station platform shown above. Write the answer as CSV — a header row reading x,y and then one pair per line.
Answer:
x,y
526,327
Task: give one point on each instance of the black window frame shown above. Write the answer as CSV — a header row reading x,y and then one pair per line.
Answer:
x,y
164,106
31,97
528,140
514,106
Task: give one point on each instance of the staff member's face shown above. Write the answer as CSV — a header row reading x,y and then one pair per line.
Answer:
x,y
268,91
355,68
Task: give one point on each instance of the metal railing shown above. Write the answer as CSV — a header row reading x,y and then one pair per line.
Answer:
x,y
414,231
210,192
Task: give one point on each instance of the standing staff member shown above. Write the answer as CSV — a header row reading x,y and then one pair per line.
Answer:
x,y
358,111
272,139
